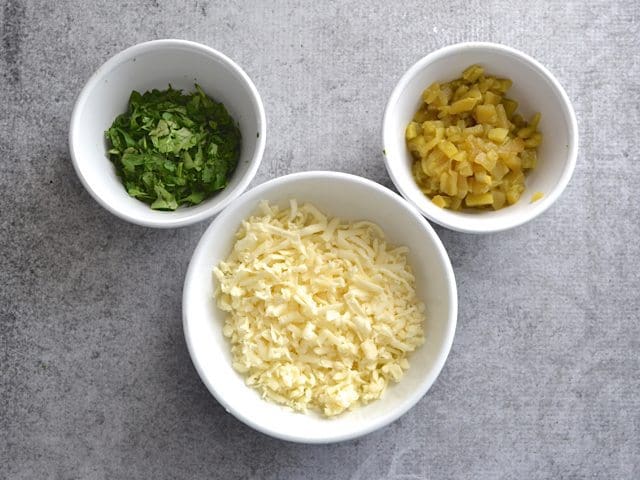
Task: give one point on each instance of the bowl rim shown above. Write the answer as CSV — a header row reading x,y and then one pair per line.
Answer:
x,y
572,153
422,387
156,219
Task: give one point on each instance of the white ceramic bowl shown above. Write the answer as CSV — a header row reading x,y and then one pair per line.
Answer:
x,y
157,64
349,197
534,87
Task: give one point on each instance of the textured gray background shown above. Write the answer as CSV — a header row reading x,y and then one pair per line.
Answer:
x,y
544,377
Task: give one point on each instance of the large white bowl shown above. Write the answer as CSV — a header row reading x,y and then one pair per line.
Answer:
x,y
157,64
352,198
534,87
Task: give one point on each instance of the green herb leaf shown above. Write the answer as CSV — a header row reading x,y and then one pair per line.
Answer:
x,y
173,149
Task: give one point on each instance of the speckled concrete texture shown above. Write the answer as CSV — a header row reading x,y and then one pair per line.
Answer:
x,y
543,380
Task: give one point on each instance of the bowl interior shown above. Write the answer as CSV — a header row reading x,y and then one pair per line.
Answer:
x,y
156,65
535,91
337,195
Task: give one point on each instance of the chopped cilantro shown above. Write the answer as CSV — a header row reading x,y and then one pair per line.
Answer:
x,y
173,149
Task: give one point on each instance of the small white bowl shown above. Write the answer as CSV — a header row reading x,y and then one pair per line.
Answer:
x,y
157,64
534,87
352,198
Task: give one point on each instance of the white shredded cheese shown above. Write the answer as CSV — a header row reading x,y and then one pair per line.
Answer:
x,y
322,313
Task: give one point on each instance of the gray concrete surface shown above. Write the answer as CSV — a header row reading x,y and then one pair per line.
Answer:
x,y
544,377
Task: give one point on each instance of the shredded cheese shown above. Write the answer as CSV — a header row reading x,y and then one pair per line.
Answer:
x,y
322,313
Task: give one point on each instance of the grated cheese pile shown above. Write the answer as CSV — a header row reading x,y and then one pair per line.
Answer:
x,y
322,313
